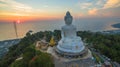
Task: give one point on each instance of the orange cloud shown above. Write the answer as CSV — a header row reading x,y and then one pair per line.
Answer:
x,y
112,4
11,16
92,11
25,12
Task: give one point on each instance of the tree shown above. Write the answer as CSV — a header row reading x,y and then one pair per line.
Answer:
x,y
28,54
18,63
42,60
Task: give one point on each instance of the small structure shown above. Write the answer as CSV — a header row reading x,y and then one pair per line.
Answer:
x,y
42,44
107,64
52,42
116,64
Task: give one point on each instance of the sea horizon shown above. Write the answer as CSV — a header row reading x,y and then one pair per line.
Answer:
x,y
8,32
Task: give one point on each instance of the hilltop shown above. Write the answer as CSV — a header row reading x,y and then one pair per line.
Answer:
x,y
24,53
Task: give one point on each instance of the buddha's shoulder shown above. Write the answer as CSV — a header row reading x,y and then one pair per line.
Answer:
x,y
68,26
64,27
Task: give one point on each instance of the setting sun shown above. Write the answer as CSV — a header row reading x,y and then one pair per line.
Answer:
x,y
18,21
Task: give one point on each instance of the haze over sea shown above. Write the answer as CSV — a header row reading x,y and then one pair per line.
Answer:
x,y
7,29
93,15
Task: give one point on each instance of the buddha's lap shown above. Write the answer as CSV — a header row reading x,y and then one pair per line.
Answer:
x,y
71,39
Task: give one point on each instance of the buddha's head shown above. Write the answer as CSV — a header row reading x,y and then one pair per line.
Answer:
x,y
68,18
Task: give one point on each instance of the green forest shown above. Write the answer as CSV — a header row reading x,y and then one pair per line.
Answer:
x,y
106,44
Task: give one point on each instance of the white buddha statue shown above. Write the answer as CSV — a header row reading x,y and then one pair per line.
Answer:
x,y
70,42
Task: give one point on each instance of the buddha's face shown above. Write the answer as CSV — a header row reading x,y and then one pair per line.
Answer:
x,y
68,21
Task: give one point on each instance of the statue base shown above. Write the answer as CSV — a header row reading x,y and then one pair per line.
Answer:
x,y
68,60
83,55
72,55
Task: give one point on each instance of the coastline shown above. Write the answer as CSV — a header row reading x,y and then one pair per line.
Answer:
x,y
116,25
5,44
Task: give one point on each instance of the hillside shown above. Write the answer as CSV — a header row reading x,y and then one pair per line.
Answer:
x,y
106,44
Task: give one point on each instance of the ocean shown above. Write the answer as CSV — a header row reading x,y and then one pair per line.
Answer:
x,y
7,30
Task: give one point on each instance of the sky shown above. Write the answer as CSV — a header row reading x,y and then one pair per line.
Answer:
x,y
56,9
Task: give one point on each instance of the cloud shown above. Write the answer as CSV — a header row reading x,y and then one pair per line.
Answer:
x,y
12,7
112,4
110,12
93,11
84,5
16,6
3,5
100,8
99,2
